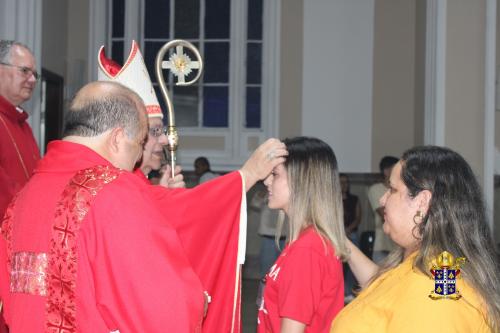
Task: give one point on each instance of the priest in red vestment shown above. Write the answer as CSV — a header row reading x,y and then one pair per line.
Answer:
x,y
18,149
84,246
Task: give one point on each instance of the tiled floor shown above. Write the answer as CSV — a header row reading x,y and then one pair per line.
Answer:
x,y
249,307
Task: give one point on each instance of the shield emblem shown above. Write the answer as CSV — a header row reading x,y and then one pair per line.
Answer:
x,y
444,281
445,277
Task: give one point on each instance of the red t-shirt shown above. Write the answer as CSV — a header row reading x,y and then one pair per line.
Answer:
x,y
305,284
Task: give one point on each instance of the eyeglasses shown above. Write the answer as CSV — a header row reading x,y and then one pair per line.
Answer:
x,y
158,131
26,71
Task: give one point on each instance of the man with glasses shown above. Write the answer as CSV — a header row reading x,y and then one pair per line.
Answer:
x,y
153,154
134,75
18,150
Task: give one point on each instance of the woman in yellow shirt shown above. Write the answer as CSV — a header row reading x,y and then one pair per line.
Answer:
x,y
433,204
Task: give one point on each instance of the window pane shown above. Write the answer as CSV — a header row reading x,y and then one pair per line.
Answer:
x,y
187,19
150,51
215,106
216,62
157,19
217,14
254,19
186,106
118,18
253,108
117,52
162,103
254,63
185,103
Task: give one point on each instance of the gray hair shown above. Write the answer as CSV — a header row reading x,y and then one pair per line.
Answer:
x,y
6,47
92,114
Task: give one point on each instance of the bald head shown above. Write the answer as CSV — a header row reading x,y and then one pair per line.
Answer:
x,y
101,106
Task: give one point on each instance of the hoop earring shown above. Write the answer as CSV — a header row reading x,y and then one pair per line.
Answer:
x,y
418,218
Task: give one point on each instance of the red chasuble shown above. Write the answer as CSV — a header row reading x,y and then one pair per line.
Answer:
x,y
91,252
207,220
18,152
212,230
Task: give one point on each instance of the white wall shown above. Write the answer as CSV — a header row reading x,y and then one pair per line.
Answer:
x,y
394,55
337,78
55,35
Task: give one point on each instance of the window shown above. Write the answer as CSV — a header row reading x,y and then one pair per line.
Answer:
x,y
117,30
254,65
235,98
206,104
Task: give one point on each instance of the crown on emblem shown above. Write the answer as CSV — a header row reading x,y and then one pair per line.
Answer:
x,y
445,270
445,259
133,74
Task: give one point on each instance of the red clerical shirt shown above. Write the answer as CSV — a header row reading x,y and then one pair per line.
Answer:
x,y
18,152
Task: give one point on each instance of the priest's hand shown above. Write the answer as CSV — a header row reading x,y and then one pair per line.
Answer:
x,y
166,179
263,160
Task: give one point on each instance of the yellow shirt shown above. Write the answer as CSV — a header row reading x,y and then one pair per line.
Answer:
x,y
398,301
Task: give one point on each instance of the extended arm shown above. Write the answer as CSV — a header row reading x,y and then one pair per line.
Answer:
x,y
361,266
257,167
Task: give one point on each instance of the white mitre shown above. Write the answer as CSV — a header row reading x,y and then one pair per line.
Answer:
x,y
133,75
